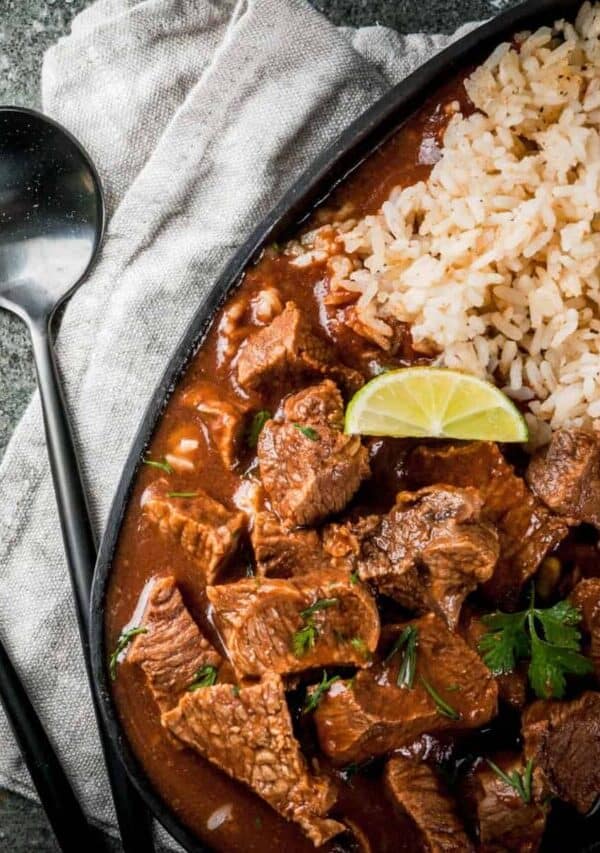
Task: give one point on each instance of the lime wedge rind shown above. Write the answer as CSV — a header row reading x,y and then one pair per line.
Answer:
x,y
434,402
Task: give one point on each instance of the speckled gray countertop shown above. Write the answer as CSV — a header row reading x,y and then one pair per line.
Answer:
x,y
27,28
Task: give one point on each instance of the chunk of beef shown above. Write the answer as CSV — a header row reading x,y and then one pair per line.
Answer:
x,y
566,475
419,792
371,715
248,733
309,468
512,686
502,820
586,597
223,417
203,527
563,738
286,348
528,531
173,648
284,626
280,552
431,550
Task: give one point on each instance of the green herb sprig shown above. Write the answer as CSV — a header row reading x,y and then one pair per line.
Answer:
x,y
307,432
520,782
313,699
548,637
256,425
441,705
126,637
162,465
182,494
407,644
359,645
305,638
205,677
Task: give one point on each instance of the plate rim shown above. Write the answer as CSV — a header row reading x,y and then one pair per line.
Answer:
x,y
360,139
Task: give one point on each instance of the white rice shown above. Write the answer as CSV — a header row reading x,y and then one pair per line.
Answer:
x,y
494,260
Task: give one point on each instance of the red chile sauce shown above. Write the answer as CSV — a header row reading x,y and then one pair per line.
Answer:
x,y
191,786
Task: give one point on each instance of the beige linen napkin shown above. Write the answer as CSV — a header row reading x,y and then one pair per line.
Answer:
x,y
199,115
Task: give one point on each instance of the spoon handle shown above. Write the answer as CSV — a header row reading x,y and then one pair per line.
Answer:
x,y
64,813
80,550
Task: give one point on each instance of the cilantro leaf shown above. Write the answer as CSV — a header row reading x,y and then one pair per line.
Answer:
x,y
549,638
124,640
505,643
304,639
206,676
307,432
559,624
551,663
255,428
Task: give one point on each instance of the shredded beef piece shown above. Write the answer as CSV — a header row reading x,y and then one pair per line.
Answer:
x,y
419,792
280,552
431,550
260,619
371,715
566,475
224,418
173,649
503,821
563,738
527,530
247,732
309,468
288,348
202,526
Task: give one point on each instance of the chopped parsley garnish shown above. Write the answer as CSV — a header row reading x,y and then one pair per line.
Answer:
x,y
549,638
313,698
441,705
182,494
354,578
122,643
255,428
307,432
236,690
360,646
520,782
162,465
306,637
205,677
320,604
407,644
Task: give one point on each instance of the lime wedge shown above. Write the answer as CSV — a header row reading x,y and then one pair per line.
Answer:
x,y
432,402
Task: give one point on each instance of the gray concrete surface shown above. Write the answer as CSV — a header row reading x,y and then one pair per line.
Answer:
x,y
27,28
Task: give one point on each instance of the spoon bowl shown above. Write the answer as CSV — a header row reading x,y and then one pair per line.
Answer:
x,y
52,220
51,212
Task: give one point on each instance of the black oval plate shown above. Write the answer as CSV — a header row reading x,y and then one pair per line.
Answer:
x,y
353,146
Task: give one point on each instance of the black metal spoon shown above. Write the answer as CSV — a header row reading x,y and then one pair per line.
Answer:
x,y
51,226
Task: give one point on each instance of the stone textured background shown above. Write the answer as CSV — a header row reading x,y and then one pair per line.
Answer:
x,y
27,28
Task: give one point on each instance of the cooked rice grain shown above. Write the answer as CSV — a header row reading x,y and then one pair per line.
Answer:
x,y
494,260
